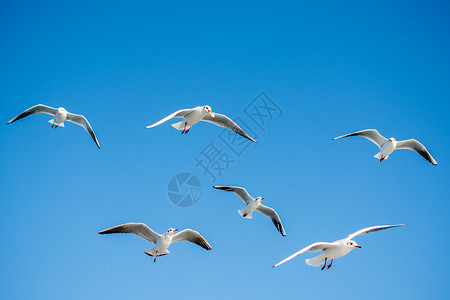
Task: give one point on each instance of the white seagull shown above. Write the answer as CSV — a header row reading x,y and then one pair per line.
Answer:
x,y
60,115
161,241
335,249
201,113
387,146
252,205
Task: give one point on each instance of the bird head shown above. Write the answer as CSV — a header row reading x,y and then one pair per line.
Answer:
x,y
352,244
171,231
259,199
207,108
392,140
61,110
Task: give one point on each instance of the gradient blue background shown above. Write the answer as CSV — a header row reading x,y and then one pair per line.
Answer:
x,y
332,68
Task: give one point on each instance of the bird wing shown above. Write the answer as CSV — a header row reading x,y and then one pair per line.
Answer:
x,y
191,236
83,122
139,229
178,114
37,109
418,147
241,192
272,214
371,229
224,121
320,246
370,134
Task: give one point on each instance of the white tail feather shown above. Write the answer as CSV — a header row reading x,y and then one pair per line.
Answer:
x,y
244,214
378,155
315,261
179,125
151,252
52,121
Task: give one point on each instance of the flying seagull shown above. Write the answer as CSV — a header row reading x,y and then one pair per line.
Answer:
x,y
335,249
388,146
252,205
60,115
201,113
161,241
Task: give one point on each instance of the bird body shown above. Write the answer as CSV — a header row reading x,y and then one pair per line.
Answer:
x,y
247,212
386,149
335,249
192,118
162,243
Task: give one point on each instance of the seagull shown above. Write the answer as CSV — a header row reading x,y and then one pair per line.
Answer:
x,y
201,113
335,249
161,241
252,205
61,115
388,146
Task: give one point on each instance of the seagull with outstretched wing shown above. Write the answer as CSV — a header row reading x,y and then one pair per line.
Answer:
x,y
60,115
387,146
254,204
161,241
335,249
201,113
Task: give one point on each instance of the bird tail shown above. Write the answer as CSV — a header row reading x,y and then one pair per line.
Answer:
x,y
242,212
378,155
52,121
315,261
179,125
151,252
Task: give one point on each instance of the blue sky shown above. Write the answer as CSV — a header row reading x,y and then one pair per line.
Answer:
x,y
331,68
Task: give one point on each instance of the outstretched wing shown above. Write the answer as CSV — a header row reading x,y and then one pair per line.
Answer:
x,y
320,246
139,229
83,122
224,121
272,214
241,192
418,147
178,114
191,236
370,134
37,109
371,229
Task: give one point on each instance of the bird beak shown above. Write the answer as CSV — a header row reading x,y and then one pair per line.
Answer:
x,y
262,198
175,229
211,113
358,246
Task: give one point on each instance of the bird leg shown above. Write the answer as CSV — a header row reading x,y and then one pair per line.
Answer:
x,y
56,126
381,159
324,265
188,129
53,125
184,128
156,254
331,263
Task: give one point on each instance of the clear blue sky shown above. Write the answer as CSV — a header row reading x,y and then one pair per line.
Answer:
x,y
332,69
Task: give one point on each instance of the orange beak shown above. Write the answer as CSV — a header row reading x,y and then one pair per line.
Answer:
x,y
358,246
211,113
175,229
